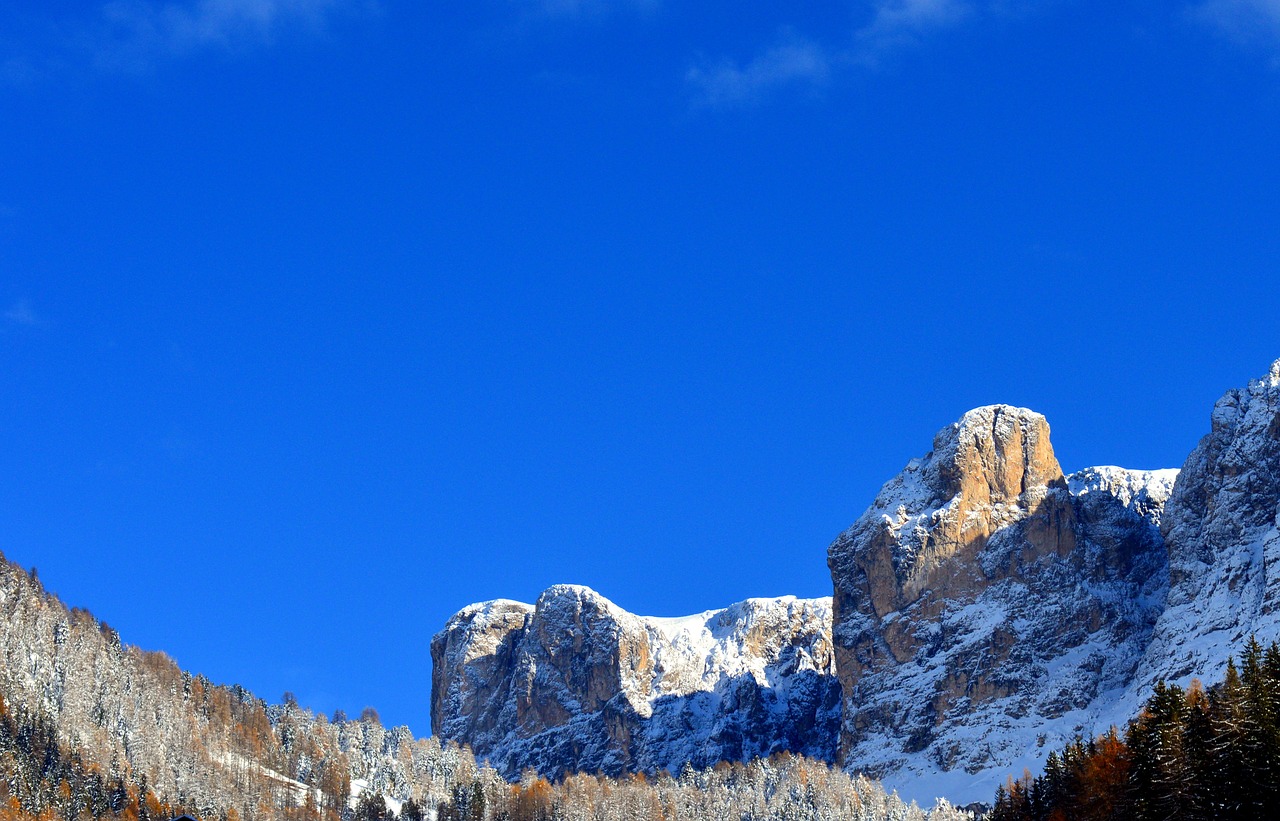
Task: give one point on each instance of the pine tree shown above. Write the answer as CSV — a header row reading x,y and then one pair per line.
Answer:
x,y
411,810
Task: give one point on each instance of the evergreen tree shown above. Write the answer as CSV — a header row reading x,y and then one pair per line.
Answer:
x,y
371,807
411,811
1191,754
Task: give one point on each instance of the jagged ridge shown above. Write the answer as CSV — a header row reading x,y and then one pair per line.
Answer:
x,y
576,683
987,608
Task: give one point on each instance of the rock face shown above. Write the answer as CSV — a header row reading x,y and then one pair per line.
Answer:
x,y
987,610
1222,526
576,683
986,603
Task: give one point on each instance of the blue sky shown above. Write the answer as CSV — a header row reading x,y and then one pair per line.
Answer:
x,y
333,316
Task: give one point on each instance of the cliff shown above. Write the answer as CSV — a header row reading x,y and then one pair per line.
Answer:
x,y
576,683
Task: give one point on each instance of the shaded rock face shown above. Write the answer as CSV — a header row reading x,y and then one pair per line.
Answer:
x,y
1222,526
986,603
576,683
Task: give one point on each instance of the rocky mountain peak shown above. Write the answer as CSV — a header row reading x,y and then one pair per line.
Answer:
x,y
576,683
986,609
573,597
1222,527
993,467
1230,483
996,454
1144,492
983,594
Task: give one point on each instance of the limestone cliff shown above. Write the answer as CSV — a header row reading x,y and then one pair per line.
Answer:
x,y
576,683
986,604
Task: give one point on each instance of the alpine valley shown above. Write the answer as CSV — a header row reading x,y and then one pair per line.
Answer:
x,y
986,609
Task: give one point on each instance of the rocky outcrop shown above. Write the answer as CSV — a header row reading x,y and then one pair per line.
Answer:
x,y
1222,527
987,609
576,683
986,604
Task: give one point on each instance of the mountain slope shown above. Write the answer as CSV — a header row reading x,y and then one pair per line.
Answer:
x,y
138,736
1222,527
136,715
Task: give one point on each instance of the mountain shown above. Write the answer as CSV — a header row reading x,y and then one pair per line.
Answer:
x,y
986,604
94,728
987,608
576,683
1222,528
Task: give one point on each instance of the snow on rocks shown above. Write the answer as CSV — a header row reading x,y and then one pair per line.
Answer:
x,y
576,683
1222,526
989,608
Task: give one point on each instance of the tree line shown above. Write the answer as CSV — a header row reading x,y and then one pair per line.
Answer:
x,y
1191,754
783,787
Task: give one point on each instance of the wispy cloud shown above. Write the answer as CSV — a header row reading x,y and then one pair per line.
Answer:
x,y
133,30
791,62
21,313
1249,21
799,62
135,34
900,22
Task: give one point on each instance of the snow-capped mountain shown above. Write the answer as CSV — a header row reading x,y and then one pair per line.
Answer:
x,y
1222,527
576,683
91,727
987,609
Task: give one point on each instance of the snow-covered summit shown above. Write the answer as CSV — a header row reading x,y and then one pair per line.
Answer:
x,y
575,682
1145,492
985,472
988,608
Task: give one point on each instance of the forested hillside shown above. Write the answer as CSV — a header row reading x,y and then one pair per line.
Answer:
x,y
1190,754
136,718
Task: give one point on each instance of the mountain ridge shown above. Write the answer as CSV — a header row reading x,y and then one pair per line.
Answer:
x,y
988,607
576,679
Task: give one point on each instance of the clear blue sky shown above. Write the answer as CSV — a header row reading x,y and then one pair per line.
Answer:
x,y
333,316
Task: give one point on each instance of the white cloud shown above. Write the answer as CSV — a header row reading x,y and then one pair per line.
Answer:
x,y
21,313
792,62
897,22
132,35
133,30
795,62
1244,20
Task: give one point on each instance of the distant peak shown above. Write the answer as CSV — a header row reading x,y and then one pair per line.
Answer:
x,y
579,590
574,595
1004,447
997,424
986,413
